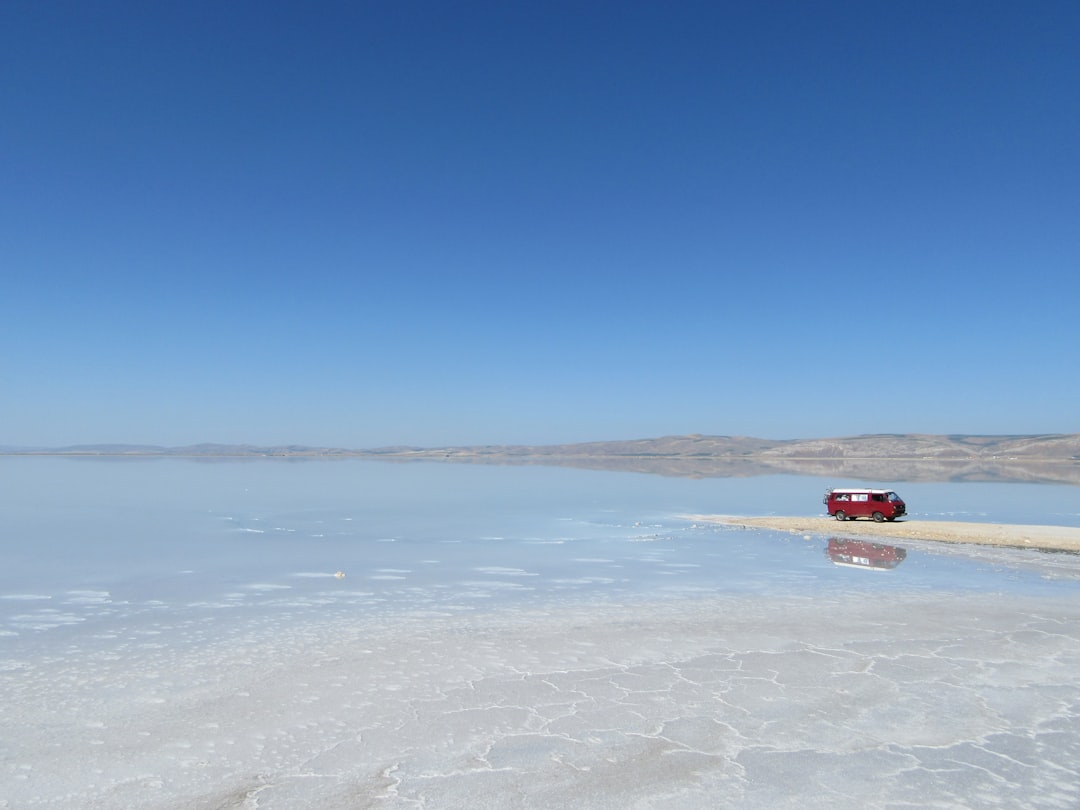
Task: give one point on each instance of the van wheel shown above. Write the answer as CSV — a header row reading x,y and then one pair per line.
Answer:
x,y
878,517
840,514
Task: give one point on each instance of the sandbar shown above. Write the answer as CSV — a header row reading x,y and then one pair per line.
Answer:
x,y
1049,538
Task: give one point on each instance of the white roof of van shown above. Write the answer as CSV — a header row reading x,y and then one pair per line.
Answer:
x,y
858,489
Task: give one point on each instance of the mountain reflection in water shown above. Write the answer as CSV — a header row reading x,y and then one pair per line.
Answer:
x,y
860,554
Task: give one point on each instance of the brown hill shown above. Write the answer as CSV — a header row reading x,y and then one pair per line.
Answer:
x,y
1044,458
881,457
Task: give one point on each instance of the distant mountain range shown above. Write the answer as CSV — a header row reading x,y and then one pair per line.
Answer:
x,y
1050,458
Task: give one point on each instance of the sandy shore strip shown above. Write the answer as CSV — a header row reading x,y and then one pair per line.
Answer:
x,y
1054,538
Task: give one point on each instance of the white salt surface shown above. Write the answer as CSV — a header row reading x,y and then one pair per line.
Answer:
x,y
907,701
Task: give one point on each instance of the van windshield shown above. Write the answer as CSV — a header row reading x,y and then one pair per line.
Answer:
x,y
892,496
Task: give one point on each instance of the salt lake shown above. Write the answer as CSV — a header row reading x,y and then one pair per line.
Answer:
x,y
179,633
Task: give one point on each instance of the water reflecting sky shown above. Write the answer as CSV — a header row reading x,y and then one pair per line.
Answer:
x,y
93,542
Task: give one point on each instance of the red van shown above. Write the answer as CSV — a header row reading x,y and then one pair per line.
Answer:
x,y
848,504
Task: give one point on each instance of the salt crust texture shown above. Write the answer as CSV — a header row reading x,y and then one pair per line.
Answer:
x,y
903,701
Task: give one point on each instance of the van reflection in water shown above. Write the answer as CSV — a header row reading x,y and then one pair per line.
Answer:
x,y
859,554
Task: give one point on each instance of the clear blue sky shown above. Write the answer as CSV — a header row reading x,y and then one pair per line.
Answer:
x,y
394,222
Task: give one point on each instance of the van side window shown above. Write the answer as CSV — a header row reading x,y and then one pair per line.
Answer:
x,y
859,496
877,496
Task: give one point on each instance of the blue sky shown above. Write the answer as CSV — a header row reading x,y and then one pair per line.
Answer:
x,y
373,223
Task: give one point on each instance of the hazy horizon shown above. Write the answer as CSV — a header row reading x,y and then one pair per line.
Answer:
x,y
631,439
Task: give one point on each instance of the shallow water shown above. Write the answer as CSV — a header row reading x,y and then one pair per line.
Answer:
x,y
270,633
